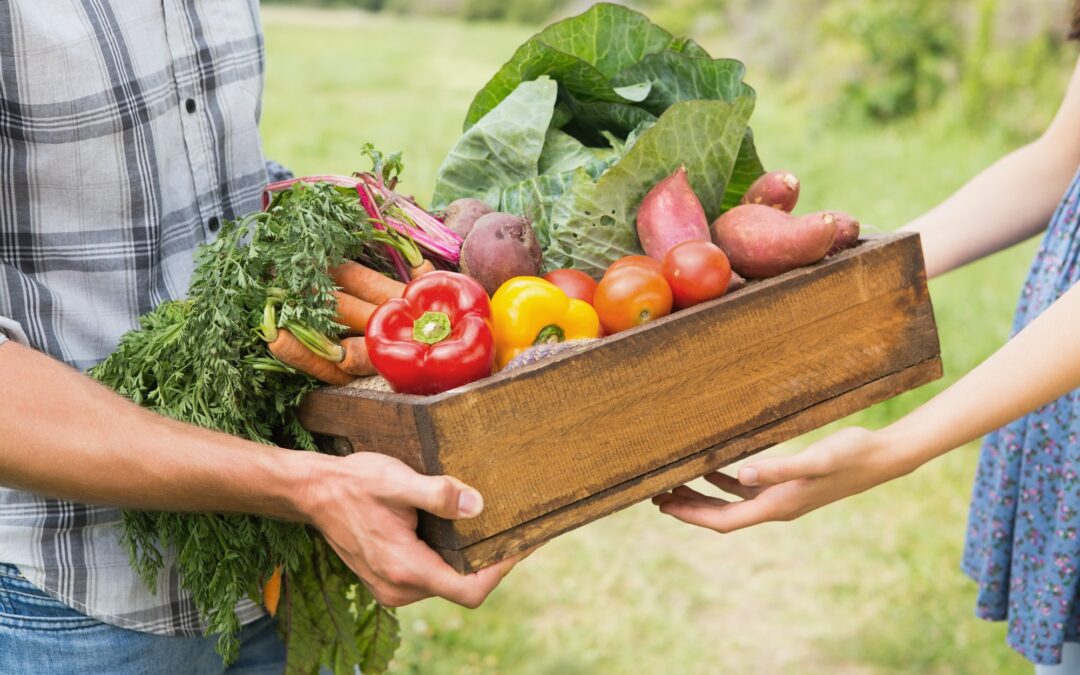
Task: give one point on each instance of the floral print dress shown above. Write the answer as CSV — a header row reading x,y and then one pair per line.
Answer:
x,y
1022,546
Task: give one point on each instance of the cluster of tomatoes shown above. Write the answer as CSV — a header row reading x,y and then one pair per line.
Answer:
x,y
638,289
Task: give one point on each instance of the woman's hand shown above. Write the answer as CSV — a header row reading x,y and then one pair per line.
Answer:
x,y
783,488
1040,364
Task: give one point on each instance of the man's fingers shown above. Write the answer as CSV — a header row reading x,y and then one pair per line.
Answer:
x,y
442,496
470,590
776,470
722,518
731,485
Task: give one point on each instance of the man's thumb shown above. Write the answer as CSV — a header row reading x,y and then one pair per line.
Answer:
x,y
447,497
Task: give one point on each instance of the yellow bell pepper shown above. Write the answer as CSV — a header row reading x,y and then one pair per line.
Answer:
x,y
528,311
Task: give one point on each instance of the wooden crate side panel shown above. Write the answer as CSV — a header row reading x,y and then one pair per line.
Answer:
x,y
578,456
829,333
522,537
368,424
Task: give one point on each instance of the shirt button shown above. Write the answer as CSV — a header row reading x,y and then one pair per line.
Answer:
x,y
190,105
214,224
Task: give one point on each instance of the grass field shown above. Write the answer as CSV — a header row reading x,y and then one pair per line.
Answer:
x,y
868,586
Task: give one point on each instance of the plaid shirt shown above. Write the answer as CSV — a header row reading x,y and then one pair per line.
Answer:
x,y
128,131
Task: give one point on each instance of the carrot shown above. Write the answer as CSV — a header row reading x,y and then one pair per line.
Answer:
x,y
365,283
356,360
272,591
421,269
290,351
352,312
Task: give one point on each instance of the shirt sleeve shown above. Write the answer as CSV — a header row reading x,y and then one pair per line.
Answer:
x,y
11,330
276,172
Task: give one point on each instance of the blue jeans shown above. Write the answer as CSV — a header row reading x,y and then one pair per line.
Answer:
x,y
41,635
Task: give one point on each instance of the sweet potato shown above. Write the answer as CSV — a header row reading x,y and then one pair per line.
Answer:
x,y
670,214
847,231
761,241
461,215
778,189
500,247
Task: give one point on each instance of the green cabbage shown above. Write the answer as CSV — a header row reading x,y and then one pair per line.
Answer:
x,y
586,117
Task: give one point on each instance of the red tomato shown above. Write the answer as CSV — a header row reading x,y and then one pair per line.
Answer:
x,y
697,271
630,296
635,261
574,283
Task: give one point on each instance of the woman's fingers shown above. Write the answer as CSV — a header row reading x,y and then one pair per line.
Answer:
x,y
724,517
775,470
731,485
686,492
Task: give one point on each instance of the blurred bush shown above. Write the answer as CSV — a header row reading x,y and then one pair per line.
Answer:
x,y
890,59
984,63
978,62
520,11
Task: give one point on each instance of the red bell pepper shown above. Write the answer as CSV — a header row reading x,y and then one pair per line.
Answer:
x,y
436,337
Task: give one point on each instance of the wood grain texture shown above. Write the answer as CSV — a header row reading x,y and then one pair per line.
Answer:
x,y
684,384
552,437
515,540
367,421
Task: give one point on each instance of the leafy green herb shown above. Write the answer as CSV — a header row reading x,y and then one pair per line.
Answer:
x,y
202,361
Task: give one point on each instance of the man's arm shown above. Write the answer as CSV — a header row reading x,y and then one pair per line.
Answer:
x,y
1008,202
66,436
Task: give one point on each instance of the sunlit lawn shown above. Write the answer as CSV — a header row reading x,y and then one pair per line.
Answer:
x,y
868,586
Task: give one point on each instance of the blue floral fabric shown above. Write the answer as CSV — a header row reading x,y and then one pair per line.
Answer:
x,y
1022,547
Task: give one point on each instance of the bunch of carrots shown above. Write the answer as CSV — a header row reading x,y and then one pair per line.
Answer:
x,y
416,243
362,290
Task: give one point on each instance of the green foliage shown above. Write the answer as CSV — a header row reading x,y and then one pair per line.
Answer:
x,y
329,618
901,56
626,105
201,361
521,11
366,5
984,62
478,165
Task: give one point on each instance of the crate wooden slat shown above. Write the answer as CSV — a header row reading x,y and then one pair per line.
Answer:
x,y
572,439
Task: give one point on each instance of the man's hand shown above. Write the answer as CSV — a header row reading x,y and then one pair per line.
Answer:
x,y
366,507
103,449
783,488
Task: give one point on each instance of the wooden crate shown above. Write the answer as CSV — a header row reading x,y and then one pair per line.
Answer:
x,y
561,443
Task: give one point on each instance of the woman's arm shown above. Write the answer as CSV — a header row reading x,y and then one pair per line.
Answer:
x,y
1008,202
1039,365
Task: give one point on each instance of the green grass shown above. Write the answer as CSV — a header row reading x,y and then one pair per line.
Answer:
x,y
868,586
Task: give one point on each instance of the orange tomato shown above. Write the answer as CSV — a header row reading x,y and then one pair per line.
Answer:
x,y
635,261
574,283
631,295
697,271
